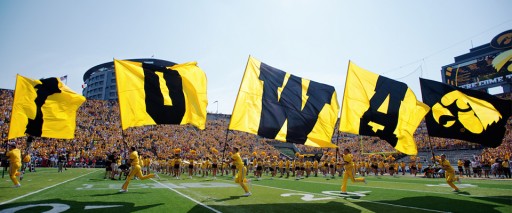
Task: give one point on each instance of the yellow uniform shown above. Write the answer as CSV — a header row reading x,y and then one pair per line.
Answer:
x,y
15,164
349,172
449,173
241,171
135,170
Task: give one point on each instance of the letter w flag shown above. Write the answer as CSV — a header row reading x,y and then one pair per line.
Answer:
x,y
44,108
374,105
465,114
150,94
274,104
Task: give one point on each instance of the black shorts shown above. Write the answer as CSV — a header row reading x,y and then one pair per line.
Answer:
x,y
259,168
391,168
233,167
271,169
176,166
302,168
460,168
297,168
214,166
331,166
190,166
326,164
374,166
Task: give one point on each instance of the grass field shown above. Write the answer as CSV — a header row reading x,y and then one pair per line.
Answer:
x,y
85,190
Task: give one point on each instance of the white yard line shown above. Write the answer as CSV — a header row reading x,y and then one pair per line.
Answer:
x,y
410,207
40,190
184,195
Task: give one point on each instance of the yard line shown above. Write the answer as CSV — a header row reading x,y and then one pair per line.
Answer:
x,y
410,207
40,190
184,195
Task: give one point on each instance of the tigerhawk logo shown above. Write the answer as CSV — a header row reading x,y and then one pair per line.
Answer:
x,y
472,113
504,59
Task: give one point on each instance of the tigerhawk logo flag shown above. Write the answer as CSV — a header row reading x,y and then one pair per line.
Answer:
x,y
44,108
465,114
277,105
374,105
150,94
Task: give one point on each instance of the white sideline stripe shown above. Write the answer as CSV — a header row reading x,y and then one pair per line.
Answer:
x,y
410,207
40,190
184,195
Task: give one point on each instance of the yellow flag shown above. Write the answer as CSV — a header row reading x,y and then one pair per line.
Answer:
x,y
378,106
274,104
150,94
44,108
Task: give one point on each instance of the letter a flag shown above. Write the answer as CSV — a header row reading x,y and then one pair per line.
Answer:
x,y
277,105
150,94
374,105
44,108
465,114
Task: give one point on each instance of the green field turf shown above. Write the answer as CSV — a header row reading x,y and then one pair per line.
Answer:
x,y
85,190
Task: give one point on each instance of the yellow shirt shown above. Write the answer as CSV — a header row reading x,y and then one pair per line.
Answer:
x,y
349,164
26,159
134,157
446,165
14,156
237,160
504,164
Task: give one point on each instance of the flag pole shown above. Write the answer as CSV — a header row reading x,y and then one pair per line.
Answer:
x,y
12,109
223,152
337,147
120,114
227,130
431,151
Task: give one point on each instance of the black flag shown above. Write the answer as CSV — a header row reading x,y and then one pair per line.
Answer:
x,y
465,114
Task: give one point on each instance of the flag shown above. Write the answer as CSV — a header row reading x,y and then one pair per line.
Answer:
x,y
465,114
64,78
374,105
44,108
150,94
277,105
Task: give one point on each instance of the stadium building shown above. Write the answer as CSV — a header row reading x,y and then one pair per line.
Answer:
x,y
100,80
485,67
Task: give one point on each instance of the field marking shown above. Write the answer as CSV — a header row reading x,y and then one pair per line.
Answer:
x,y
40,190
184,195
443,179
407,190
410,207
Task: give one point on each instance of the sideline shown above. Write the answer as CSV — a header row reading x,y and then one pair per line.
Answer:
x,y
40,190
192,199
410,207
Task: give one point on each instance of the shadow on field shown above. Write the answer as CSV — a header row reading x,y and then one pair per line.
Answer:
x,y
59,205
280,207
228,198
465,204
504,200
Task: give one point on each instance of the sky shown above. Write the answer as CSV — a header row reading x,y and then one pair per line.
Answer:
x,y
312,39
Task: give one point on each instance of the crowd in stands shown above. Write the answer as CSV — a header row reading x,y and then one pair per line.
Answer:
x,y
99,133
